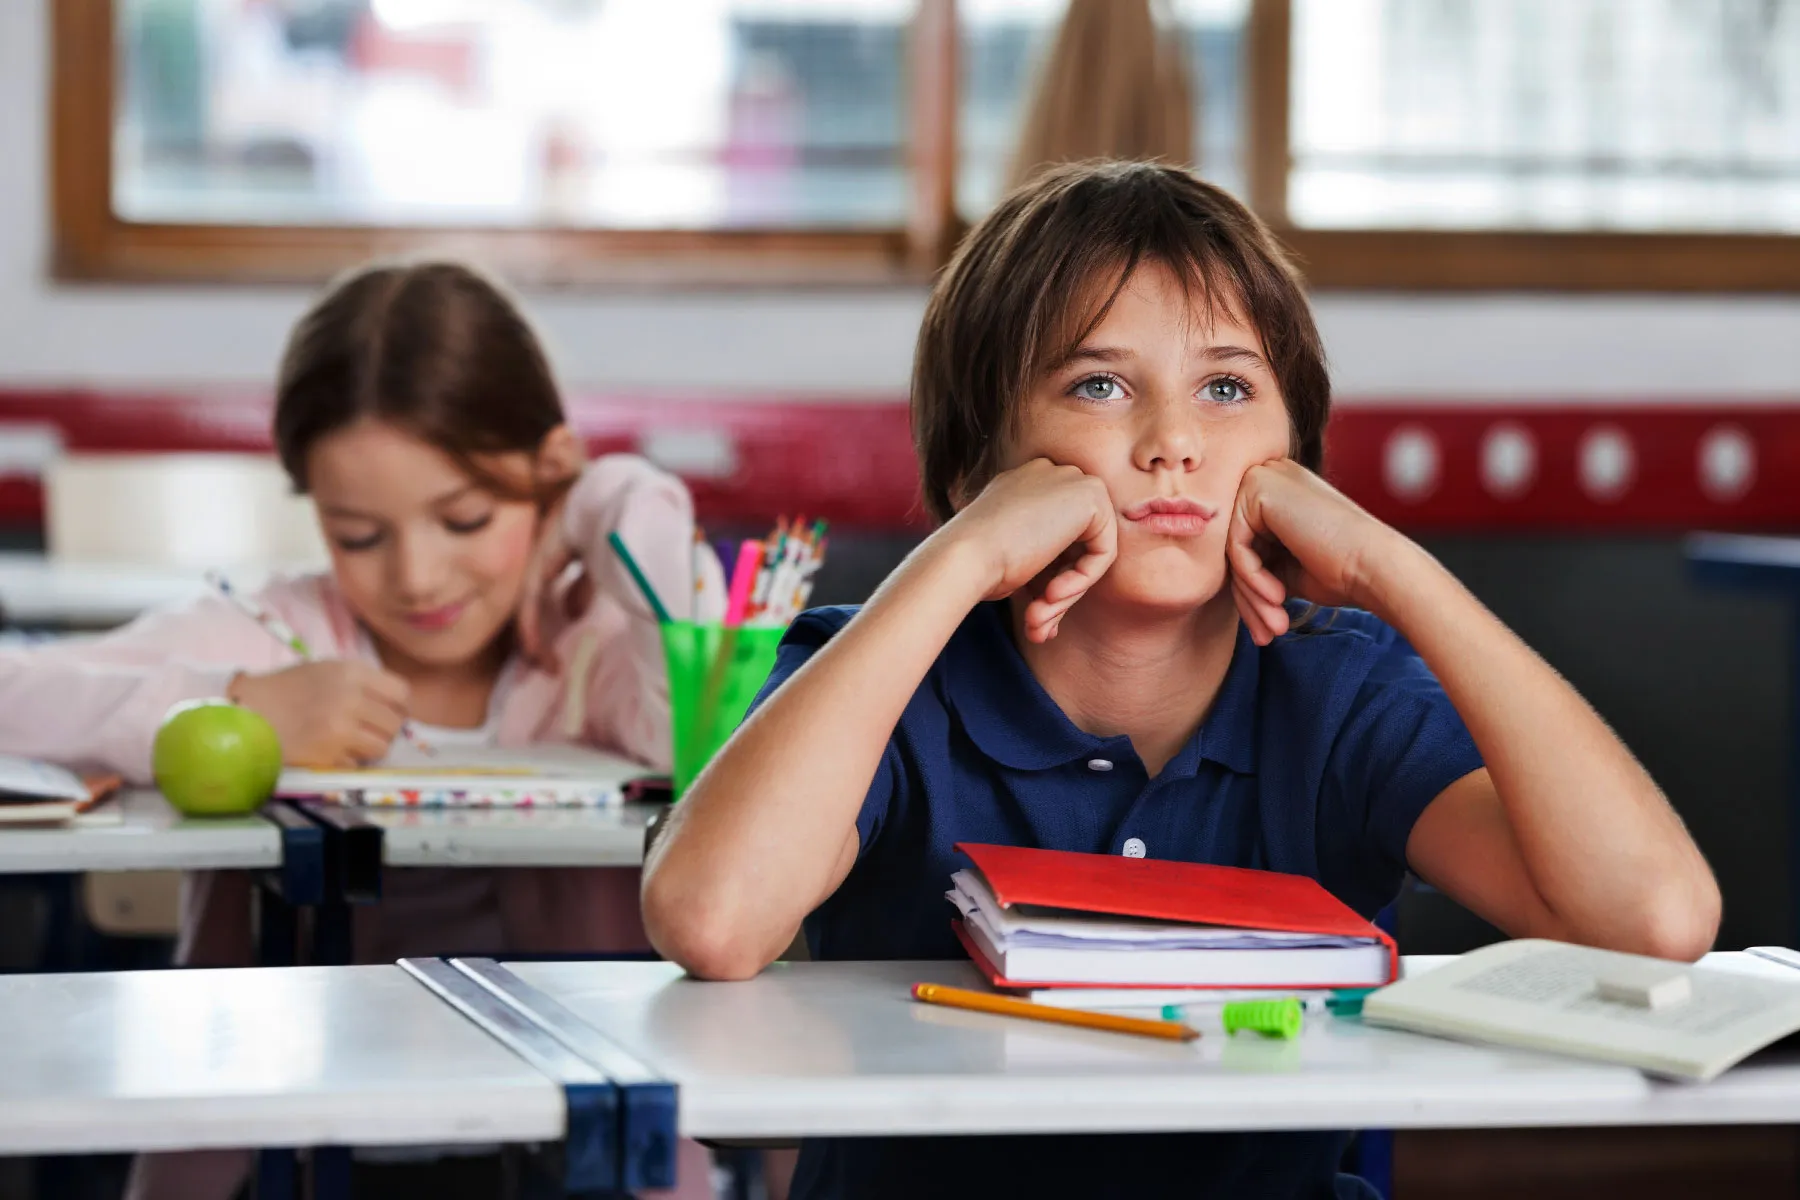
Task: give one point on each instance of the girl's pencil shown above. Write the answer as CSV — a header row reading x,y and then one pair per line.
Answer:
x,y
282,632
637,576
1006,1006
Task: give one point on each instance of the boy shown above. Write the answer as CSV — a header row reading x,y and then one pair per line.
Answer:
x,y
1119,400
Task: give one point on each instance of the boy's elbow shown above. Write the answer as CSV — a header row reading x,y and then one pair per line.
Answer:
x,y
1682,922
691,932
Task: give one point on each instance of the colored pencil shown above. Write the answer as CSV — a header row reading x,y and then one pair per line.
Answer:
x,y
1006,1006
637,576
743,582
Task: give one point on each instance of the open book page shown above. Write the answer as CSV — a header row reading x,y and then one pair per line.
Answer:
x,y
26,780
1548,996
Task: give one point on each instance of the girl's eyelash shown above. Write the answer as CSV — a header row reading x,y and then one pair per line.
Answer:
x,y
352,545
474,525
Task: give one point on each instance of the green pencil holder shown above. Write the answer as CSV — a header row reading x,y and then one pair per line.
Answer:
x,y
715,672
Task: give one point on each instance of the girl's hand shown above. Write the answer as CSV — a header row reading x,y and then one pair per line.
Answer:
x,y
559,462
327,714
1293,534
550,559
1045,527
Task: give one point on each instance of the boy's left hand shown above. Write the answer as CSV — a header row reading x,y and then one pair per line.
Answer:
x,y
1293,534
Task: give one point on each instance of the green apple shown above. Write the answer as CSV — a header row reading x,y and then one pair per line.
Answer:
x,y
213,758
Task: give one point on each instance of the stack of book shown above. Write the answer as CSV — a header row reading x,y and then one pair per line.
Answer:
x,y
1103,931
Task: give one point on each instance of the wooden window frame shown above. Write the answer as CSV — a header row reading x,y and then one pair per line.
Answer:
x,y
91,243
1492,260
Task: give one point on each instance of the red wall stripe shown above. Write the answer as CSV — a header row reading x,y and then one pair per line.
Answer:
x,y
1439,467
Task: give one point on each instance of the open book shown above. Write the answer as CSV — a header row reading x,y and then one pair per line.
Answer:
x,y
33,792
471,777
1046,918
1663,1017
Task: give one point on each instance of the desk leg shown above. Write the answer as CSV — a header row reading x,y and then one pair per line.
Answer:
x,y
331,1173
275,1175
332,935
277,927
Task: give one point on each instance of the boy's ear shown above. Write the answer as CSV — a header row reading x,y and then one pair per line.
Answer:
x,y
560,456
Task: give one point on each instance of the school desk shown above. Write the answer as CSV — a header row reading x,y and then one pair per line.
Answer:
x,y
604,1060
324,1057
37,591
361,844
137,830
838,1049
1771,564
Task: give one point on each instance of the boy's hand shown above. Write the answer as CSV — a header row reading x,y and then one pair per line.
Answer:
x,y
327,714
1045,527
1293,534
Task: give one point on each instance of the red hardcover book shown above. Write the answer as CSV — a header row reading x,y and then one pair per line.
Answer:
x,y
1354,953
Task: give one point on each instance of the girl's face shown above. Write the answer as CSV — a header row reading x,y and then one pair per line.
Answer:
x,y
431,561
1169,410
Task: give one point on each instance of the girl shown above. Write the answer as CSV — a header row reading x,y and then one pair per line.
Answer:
x,y
1119,401
471,592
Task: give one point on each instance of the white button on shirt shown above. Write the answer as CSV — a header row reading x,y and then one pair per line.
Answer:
x,y
1099,764
1135,848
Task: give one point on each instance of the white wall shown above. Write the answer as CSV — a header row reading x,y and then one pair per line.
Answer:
x,y
1508,348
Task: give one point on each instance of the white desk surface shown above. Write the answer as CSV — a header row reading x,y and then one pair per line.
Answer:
x,y
162,1060
816,1049
36,590
495,837
147,835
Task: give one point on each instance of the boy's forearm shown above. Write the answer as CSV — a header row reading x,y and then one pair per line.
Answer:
x,y
768,829
1592,826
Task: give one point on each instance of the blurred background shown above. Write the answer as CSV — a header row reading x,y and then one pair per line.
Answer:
x,y
1554,247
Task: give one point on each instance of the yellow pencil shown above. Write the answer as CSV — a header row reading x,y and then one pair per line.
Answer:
x,y
1006,1006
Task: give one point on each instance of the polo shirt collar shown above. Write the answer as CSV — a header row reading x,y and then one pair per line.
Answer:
x,y
1013,721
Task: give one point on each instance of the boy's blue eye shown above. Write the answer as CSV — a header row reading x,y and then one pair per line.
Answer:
x,y
1098,387
1227,391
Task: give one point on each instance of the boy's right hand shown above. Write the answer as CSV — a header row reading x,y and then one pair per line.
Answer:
x,y
327,714
1047,527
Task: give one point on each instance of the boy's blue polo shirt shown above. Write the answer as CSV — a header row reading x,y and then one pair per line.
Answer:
x,y
1318,755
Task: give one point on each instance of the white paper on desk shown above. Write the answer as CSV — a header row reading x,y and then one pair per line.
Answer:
x,y
1543,995
474,777
23,780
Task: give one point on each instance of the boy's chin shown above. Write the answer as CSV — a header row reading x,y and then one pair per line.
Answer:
x,y
1169,592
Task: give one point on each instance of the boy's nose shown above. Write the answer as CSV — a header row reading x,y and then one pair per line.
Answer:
x,y
1170,441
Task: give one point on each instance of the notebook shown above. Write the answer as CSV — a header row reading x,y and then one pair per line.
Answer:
x,y
35,793
1667,1018
475,777
1051,918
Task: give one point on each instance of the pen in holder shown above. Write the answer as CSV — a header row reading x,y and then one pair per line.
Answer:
x,y
715,672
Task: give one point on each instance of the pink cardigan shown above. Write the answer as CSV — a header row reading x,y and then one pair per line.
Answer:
x,y
97,703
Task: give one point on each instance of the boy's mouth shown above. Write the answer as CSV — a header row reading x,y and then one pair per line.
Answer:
x,y
1176,516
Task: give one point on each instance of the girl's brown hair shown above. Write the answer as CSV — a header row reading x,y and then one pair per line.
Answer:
x,y
435,348
1040,272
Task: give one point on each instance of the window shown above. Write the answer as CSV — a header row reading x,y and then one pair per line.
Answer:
x,y
1393,143
1534,143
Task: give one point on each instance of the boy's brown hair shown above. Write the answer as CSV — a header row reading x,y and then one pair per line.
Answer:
x,y
1020,294
436,348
